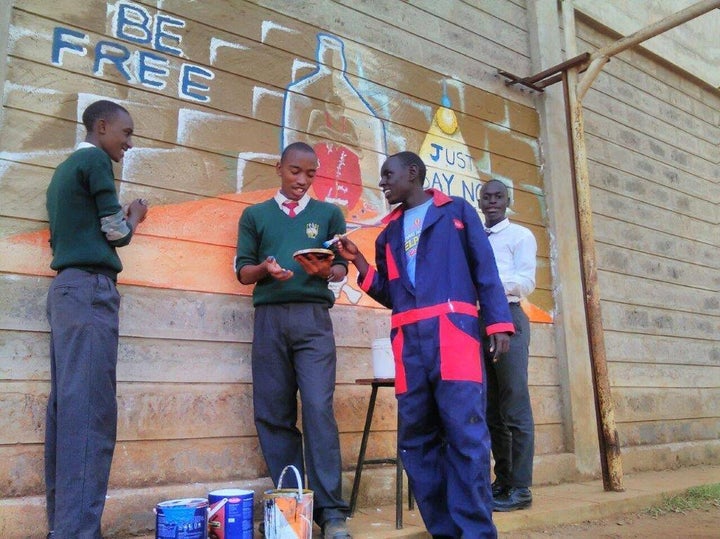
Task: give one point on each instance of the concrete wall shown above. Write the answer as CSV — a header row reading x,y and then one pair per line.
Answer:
x,y
652,133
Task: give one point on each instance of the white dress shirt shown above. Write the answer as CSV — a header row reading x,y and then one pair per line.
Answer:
x,y
280,199
515,252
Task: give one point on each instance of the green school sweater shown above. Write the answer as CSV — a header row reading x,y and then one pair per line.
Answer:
x,y
82,190
265,230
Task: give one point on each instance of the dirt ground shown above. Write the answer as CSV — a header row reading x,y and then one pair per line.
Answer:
x,y
697,523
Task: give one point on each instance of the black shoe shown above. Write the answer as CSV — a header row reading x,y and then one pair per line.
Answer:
x,y
498,489
514,498
335,528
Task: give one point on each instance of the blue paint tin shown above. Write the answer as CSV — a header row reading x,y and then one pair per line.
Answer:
x,y
181,519
231,514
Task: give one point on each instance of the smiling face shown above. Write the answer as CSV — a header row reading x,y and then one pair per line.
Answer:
x,y
297,171
114,134
396,180
493,202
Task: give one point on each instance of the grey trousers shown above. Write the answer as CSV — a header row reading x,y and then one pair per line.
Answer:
x,y
509,411
294,349
81,421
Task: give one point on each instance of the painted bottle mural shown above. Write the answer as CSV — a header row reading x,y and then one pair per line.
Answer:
x,y
325,110
450,167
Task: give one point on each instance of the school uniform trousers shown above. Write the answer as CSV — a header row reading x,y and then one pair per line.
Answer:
x,y
81,421
509,411
294,350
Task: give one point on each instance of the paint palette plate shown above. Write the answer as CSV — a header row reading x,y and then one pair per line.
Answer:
x,y
319,253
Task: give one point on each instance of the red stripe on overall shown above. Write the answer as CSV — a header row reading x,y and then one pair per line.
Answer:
x,y
459,352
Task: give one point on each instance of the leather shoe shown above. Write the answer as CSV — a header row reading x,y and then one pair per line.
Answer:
x,y
335,528
514,498
498,489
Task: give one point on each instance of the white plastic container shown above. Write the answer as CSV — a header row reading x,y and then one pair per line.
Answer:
x,y
383,362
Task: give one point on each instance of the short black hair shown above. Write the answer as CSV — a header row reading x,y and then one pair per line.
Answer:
x,y
411,158
299,146
502,184
99,110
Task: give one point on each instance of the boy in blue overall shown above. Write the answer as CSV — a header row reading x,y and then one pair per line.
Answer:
x,y
293,342
87,223
434,264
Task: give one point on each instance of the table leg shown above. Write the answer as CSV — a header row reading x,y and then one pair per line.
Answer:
x,y
363,448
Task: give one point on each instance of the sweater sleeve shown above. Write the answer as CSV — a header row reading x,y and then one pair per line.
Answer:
x,y
101,185
248,243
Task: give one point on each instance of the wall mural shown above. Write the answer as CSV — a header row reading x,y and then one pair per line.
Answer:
x,y
352,123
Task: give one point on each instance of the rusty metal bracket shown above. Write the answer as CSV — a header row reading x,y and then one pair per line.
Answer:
x,y
540,81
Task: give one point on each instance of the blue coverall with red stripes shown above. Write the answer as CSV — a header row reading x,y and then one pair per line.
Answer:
x,y
443,437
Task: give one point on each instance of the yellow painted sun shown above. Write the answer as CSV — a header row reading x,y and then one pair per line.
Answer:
x,y
446,120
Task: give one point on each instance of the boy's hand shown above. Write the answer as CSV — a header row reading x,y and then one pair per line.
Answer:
x,y
316,265
276,271
347,249
499,344
350,252
137,210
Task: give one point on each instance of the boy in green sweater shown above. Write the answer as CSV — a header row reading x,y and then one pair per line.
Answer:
x,y
293,342
87,223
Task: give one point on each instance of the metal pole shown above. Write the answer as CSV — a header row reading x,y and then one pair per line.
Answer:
x,y
609,444
612,480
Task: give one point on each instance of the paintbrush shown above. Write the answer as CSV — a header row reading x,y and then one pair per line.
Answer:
x,y
327,244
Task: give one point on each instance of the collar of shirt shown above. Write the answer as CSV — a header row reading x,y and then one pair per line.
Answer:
x,y
84,144
302,203
499,227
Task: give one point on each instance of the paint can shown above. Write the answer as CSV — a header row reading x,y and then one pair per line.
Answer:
x,y
231,514
288,513
383,361
181,519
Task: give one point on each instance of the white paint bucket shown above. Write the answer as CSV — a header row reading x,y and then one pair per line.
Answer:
x,y
383,361
288,512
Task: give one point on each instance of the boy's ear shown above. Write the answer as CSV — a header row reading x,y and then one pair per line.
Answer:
x,y
100,126
413,170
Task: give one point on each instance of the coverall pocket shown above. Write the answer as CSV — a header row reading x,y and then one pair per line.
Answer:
x,y
459,353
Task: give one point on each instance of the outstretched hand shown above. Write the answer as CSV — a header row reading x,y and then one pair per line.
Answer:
x,y
276,271
317,265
